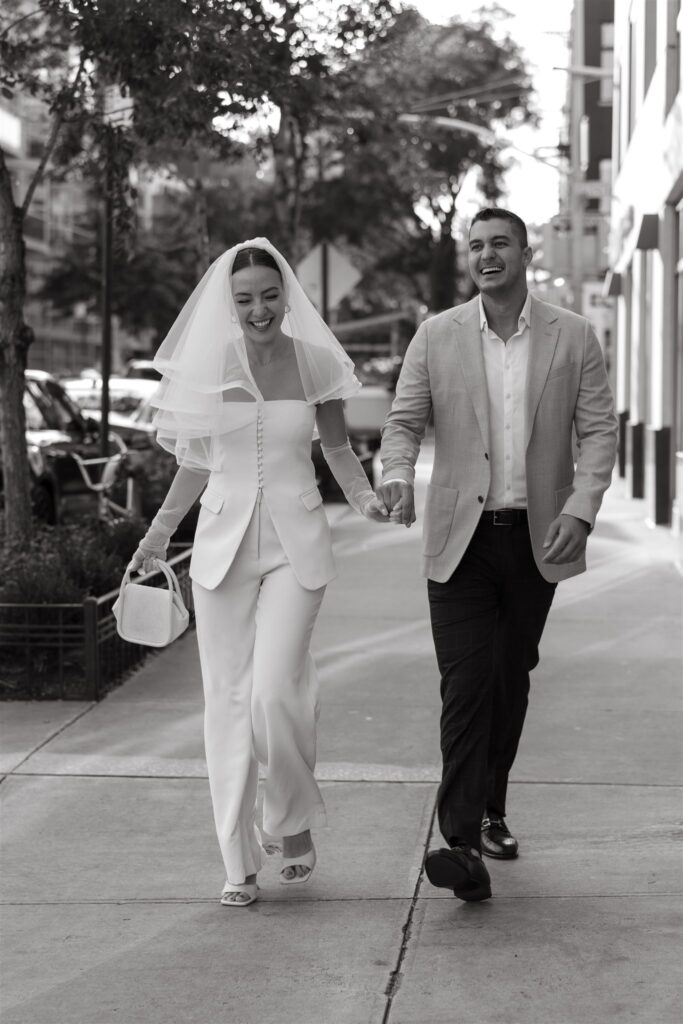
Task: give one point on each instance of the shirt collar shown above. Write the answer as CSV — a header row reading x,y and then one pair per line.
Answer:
x,y
524,316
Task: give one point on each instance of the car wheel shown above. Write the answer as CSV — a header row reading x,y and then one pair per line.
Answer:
x,y
43,504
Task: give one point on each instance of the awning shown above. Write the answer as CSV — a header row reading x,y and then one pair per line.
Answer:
x,y
648,232
612,284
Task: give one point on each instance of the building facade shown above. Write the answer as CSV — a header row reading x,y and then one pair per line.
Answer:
x,y
646,251
575,242
61,211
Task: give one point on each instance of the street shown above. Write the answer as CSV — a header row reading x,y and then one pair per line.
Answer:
x,y
112,871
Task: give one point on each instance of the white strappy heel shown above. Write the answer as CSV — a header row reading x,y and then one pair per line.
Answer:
x,y
304,860
248,890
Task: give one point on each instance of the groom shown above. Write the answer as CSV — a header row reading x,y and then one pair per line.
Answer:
x,y
507,379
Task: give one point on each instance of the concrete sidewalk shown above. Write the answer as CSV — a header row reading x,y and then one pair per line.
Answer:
x,y
111,869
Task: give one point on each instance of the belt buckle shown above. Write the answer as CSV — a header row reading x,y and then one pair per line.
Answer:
x,y
502,517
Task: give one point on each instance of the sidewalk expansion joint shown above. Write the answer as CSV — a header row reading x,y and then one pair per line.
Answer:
x,y
50,738
181,900
396,975
25,771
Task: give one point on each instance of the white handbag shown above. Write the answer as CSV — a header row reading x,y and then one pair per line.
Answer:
x,y
152,616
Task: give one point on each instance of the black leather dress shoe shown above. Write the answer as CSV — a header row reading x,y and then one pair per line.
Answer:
x,y
460,869
496,840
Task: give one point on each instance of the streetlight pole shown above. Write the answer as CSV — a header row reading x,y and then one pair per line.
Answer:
x,y
117,109
106,274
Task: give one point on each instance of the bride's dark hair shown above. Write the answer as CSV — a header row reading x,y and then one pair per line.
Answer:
x,y
251,256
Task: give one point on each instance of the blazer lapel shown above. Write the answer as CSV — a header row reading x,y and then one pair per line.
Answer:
x,y
468,341
543,335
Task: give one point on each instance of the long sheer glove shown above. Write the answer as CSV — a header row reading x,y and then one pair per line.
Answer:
x,y
350,476
186,487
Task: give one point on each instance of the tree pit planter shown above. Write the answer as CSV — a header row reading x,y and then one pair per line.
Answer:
x,y
72,651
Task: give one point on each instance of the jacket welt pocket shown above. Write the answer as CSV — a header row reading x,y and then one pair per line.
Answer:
x,y
311,498
438,520
212,500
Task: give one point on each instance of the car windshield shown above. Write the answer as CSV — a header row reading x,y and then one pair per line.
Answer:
x,y
145,413
141,372
48,407
34,417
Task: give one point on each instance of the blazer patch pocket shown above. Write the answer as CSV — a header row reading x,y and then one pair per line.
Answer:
x,y
438,520
212,500
312,498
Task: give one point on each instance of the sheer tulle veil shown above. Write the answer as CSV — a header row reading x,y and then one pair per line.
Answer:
x,y
204,355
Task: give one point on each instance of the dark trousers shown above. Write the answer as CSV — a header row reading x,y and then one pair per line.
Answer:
x,y
487,622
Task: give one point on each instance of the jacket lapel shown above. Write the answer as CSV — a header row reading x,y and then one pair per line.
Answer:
x,y
468,342
543,335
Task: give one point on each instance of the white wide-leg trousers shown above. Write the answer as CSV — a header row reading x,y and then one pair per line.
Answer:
x,y
261,697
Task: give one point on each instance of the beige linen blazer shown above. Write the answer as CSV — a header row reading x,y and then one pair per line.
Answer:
x,y
566,387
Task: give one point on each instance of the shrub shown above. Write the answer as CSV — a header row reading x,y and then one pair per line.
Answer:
x,y
64,564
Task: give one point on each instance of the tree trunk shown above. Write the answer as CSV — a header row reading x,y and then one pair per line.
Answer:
x,y
443,269
282,147
201,215
15,337
442,274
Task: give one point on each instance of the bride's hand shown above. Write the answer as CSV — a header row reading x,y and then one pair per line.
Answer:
x,y
403,512
374,509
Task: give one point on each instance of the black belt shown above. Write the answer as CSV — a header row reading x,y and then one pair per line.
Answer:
x,y
504,516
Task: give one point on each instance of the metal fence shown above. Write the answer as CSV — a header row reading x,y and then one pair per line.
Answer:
x,y
72,651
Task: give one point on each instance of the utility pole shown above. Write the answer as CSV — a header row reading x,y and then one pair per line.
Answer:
x,y
324,281
117,110
105,298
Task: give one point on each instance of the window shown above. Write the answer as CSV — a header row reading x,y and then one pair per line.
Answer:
x,y
632,64
606,61
650,44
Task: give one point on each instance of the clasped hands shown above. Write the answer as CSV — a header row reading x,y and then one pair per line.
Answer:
x,y
394,503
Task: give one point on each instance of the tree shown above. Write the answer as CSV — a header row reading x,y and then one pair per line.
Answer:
x,y
314,42
189,67
397,185
151,277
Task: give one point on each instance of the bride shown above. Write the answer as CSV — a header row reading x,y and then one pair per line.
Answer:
x,y
249,369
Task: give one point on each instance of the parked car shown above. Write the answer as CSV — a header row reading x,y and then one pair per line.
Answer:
x,y
131,417
142,369
383,370
125,394
365,414
56,430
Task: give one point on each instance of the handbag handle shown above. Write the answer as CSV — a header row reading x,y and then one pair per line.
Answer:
x,y
166,569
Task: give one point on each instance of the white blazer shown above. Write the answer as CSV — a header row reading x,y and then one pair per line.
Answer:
x,y
265,455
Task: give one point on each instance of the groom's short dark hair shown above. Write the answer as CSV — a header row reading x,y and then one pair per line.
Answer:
x,y
498,213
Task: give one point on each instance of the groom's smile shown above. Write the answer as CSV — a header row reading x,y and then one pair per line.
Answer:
x,y
497,258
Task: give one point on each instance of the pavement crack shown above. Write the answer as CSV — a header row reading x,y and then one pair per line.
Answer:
x,y
396,975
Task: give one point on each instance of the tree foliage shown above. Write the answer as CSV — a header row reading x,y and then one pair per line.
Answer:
x,y
188,66
395,185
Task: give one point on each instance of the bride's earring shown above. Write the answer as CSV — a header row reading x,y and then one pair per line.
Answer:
x,y
233,318
287,309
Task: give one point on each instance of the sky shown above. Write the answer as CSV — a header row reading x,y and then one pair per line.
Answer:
x,y
541,29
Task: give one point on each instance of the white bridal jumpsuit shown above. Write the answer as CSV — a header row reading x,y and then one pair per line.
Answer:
x,y
262,558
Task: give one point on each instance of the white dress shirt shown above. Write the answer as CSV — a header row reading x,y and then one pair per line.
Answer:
x,y
505,366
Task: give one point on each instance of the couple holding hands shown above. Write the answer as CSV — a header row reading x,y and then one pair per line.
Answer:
x,y
511,383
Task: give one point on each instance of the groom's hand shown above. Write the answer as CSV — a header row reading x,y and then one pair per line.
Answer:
x,y
565,540
399,501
